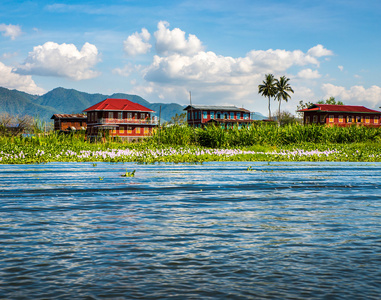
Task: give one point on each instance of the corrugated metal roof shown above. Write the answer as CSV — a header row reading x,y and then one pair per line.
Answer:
x,y
69,116
118,105
217,108
339,108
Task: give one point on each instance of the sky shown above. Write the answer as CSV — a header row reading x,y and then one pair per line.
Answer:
x,y
219,50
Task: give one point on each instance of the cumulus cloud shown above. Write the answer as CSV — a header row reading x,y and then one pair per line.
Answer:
x,y
137,43
182,64
65,60
208,67
355,95
341,68
11,80
174,41
319,51
309,74
219,79
12,31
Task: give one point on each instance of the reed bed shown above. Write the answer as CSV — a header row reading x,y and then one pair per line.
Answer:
x,y
214,136
185,144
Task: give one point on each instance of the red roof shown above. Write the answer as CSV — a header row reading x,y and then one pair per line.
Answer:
x,y
118,105
340,108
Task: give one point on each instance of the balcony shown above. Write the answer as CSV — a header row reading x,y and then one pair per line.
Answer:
x,y
127,121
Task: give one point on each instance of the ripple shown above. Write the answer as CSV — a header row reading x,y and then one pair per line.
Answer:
x,y
216,230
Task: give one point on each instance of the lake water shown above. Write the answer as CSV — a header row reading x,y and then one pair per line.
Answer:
x,y
185,231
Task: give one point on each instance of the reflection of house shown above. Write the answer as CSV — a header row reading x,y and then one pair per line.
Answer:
x,y
341,115
226,116
119,117
66,122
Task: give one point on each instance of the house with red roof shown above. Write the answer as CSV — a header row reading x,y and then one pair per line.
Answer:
x,y
341,115
225,116
119,117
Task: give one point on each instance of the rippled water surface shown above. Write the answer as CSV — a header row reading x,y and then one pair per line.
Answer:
x,y
210,231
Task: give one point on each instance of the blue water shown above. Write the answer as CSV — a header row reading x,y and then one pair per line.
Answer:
x,y
183,231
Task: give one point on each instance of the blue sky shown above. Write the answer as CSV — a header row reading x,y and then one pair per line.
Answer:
x,y
219,50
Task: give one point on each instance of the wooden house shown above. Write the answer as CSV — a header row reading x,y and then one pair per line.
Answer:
x,y
225,116
119,117
341,115
69,122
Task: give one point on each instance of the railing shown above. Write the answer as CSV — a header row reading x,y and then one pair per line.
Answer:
x,y
127,121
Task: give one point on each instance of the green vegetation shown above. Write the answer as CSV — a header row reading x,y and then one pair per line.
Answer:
x,y
195,145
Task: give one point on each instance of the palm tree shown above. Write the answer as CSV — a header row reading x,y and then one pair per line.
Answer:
x,y
282,87
267,89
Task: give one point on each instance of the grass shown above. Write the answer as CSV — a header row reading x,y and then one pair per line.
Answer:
x,y
184,144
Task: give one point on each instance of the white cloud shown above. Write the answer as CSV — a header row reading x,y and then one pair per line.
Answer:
x,y
208,67
52,59
218,79
12,31
137,43
341,68
174,41
10,80
309,74
319,51
356,95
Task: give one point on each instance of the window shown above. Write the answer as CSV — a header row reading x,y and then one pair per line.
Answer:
x,y
331,118
232,115
246,116
199,115
120,115
137,130
135,115
121,129
358,119
142,116
212,114
315,118
146,130
189,115
218,115
308,120
367,119
376,119
129,115
114,131
238,115
349,119
322,119
110,115
205,114
129,130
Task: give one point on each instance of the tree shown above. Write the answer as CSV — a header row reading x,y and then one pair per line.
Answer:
x,y
287,118
331,100
179,119
301,106
267,89
283,88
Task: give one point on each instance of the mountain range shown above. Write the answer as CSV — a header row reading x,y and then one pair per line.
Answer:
x,y
69,101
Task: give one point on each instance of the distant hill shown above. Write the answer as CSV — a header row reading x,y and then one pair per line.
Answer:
x,y
61,100
258,116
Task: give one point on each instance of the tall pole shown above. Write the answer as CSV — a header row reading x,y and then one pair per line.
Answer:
x,y
159,123
192,115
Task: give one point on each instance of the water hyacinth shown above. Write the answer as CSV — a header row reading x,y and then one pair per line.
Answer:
x,y
180,154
